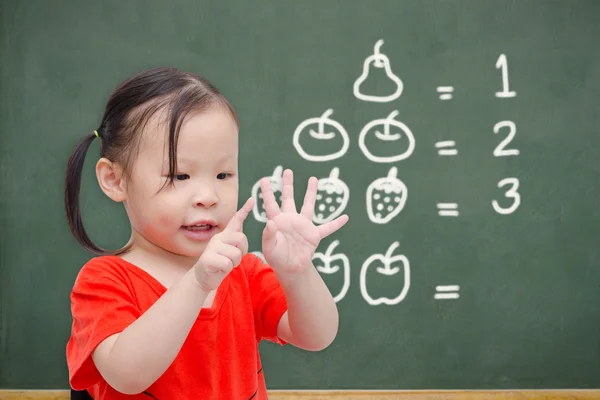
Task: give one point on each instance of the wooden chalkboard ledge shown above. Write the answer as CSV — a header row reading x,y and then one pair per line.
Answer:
x,y
365,395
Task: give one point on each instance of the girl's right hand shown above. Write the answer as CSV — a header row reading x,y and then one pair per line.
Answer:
x,y
224,251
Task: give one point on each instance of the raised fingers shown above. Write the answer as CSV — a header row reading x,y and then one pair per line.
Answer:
x,y
287,196
310,197
271,206
236,223
330,227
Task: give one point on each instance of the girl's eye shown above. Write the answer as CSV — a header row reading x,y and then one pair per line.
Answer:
x,y
182,177
223,175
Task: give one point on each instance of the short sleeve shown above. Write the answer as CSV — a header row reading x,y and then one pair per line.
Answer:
x,y
102,304
268,299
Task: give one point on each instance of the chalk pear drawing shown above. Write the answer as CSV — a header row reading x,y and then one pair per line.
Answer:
x,y
326,129
379,60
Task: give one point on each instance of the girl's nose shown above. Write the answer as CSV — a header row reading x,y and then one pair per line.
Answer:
x,y
206,197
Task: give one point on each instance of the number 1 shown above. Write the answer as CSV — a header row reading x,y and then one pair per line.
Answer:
x,y
502,64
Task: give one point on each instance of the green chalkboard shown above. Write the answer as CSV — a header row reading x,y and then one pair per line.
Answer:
x,y
461,137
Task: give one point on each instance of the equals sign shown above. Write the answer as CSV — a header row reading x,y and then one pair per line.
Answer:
x,y
443,149
445,292
445,92
447,209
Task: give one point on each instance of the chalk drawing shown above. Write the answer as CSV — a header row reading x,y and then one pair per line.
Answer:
x,y
386,197
376,261
324,264
378,60
407,141
326,129
276,184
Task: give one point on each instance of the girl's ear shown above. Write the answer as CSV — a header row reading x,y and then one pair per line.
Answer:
x,y
111,180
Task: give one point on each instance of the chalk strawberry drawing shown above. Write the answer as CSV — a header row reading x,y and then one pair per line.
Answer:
x,y
386,198
276,184
332,197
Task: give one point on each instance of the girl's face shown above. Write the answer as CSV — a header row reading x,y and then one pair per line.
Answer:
x,y
183,217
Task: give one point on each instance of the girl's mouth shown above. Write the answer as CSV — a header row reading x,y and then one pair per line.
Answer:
x,y
199,232
200,227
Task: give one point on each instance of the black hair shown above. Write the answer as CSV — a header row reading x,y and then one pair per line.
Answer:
x,y
127,111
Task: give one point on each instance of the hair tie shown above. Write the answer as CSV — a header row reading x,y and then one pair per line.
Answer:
x,y
96,133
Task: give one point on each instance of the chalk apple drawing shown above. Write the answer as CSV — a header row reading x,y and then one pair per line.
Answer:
x,y
386,198
332,198
324,131
387,136
323,263
276,184
379,60
260,255
377,260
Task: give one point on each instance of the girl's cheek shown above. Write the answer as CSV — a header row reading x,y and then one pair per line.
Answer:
x,y
165,221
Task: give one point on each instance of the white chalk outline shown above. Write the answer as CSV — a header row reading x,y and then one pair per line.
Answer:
x,y
276,184
447,209
396,186
502,64
445,92
327,258
332,184
387,261
447,288
321,135
446,296
500,150
447,292
386,136
446,152
260,255
379,60
510,193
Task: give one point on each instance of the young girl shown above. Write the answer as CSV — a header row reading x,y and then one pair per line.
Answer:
x,y
178,313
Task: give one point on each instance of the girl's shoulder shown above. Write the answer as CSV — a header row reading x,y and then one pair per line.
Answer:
x,y
103,267
116,277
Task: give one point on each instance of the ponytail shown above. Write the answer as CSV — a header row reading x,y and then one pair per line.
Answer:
x,y
72,186
128,109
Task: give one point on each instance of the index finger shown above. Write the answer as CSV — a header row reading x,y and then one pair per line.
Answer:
x,y
236,223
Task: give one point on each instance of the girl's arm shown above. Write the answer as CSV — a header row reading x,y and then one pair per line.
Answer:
x,y
132,360
311,321
290,240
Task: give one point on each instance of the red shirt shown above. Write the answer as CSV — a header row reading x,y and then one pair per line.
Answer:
x,y
219,358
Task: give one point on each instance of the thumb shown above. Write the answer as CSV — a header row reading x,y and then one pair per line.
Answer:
x,y
269,234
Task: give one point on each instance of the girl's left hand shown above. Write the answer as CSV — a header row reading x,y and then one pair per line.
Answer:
x,y
290,238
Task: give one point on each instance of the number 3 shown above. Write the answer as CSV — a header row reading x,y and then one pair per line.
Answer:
x,y
511,193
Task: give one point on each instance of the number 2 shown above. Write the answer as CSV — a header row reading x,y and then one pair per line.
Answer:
x,y
510,193
500,150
